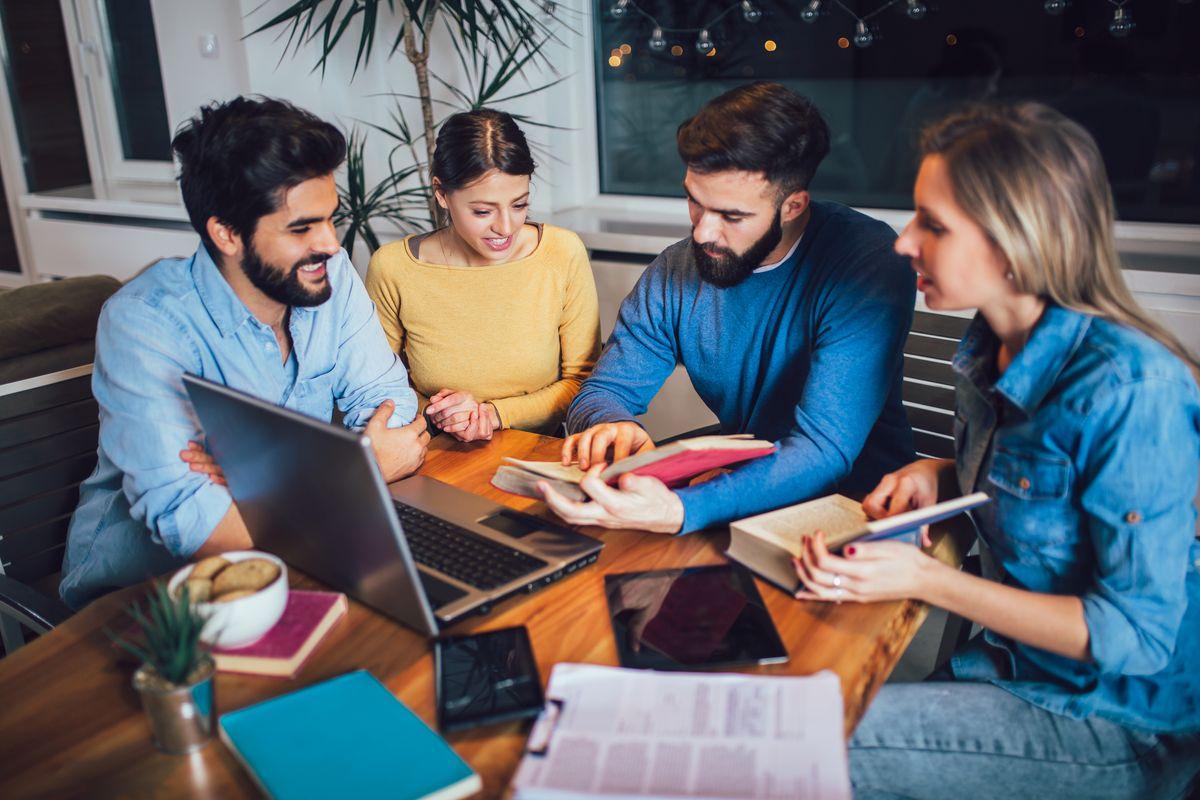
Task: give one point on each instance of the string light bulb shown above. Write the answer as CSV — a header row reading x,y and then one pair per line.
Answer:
x,y
619,9
657,42
1055,7
750,12
1122,23
811,12
704,42
862,35
916,10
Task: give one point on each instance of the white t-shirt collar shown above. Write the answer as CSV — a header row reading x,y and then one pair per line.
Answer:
x,y
791,252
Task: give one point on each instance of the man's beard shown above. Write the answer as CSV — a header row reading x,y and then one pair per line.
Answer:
x,y
285,286
728,268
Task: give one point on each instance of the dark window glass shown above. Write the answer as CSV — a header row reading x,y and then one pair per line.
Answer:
x,y
1139,94
10,261
42,90
137,80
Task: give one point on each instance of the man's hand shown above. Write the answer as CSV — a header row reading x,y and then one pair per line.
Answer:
x,y
911,486
200,460
399,451
591,446
640,502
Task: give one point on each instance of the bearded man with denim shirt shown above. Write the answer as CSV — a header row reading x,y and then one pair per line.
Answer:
x,y
268,304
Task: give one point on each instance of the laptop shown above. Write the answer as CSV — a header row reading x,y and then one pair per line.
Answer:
x,y
421,551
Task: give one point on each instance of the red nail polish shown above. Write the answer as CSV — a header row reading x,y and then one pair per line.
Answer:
x,y
849,551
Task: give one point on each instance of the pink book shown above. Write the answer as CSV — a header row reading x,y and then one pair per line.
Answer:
x,y
674,464
282,650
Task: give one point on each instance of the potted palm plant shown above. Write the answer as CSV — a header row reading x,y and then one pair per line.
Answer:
x,y
494,41
175,679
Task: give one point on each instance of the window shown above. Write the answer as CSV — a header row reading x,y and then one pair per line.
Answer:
x,y
1137,94
136,79
119,72
49,151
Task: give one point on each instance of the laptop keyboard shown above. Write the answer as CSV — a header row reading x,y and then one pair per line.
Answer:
x,y
461,554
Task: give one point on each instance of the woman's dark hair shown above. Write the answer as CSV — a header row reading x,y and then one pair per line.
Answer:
x,y
238,159
473,143
760,127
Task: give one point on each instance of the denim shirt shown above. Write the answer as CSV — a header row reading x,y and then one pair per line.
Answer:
x,y
1089,445
142,511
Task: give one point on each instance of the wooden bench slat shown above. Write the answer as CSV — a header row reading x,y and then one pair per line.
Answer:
x,y
44,397
918,344
933,446
40,452
933,371
52,477
17,545
925,420
34,510
940,324
70,416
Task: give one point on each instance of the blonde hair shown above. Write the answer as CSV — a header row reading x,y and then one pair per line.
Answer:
x,y
1035,182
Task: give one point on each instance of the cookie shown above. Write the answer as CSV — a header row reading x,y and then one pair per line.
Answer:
x,y
208,567
199,589
236,594
252,574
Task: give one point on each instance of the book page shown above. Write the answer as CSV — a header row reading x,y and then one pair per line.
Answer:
x,y
549,469
636,733
840,517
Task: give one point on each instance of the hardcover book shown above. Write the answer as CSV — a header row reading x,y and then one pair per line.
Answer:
x,y
767,542
674,464
344,737
306,619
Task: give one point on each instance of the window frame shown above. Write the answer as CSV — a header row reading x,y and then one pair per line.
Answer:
x,y
91,62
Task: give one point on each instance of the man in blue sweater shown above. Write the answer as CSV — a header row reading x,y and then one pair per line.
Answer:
x,y
788,314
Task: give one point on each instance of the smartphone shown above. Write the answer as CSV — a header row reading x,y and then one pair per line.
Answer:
x,y
484,678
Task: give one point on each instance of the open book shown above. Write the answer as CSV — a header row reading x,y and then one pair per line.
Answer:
x,y
674,464
766,543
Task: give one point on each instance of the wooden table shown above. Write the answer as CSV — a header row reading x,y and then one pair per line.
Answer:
x,y
70,723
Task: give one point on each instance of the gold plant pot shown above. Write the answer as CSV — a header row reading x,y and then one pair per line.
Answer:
x,y
182,716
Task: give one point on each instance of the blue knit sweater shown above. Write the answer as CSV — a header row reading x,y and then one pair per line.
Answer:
x,y
807,354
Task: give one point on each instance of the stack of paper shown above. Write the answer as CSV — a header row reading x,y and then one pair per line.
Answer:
x,y
610,732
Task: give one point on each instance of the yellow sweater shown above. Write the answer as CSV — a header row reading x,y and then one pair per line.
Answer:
x,y
523,335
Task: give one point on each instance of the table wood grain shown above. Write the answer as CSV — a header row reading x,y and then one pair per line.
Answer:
x,y
70,723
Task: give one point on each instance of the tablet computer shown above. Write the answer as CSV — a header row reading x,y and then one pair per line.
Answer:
x,y
692,618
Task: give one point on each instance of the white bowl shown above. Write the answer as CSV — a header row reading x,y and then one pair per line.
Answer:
x,y
243,621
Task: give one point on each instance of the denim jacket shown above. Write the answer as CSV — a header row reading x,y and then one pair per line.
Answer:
x,y
142,512
1089,445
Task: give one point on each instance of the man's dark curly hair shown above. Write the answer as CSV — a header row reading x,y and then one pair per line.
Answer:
x,y
238,159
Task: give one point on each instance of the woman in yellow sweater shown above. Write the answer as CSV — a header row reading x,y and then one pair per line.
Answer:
x,y
495,316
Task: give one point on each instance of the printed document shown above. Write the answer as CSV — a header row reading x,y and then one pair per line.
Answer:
x,y
610,732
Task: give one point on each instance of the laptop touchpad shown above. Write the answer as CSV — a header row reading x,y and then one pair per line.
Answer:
x,y
438,591
516,525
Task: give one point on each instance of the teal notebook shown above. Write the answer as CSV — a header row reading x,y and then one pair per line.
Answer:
x,y
345,737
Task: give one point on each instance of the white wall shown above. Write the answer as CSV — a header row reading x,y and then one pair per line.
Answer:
x,y
348,99
190,79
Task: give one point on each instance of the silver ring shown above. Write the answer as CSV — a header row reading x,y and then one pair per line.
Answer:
x,y
839,594
837,582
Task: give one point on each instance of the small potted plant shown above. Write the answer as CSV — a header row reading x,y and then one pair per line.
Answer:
x,y
175,680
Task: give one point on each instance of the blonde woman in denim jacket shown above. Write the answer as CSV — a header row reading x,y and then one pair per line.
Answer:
x,y
1080,417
